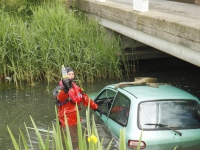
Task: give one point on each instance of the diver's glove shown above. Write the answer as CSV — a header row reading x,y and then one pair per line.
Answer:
x,y
67,84
100,111
65,90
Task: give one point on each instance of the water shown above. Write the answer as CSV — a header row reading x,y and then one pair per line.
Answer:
x,y
18,105
173,71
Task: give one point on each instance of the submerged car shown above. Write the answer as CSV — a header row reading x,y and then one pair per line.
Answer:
x,y
167,117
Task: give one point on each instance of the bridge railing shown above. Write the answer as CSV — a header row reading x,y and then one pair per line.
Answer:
x,y
138,5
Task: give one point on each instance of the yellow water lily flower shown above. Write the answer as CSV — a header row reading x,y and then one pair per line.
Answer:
x,y
92,138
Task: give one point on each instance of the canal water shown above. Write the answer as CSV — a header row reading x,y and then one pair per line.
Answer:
x,y
18,105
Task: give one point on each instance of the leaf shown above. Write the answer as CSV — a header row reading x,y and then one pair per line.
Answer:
x,y
138,147
40,140
16,146
122,142
24,140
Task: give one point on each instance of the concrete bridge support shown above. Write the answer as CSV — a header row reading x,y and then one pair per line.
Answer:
x,y
176,50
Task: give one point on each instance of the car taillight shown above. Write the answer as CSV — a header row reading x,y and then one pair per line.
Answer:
x,y
134,143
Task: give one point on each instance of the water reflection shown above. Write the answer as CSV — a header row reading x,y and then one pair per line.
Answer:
x,y
18,105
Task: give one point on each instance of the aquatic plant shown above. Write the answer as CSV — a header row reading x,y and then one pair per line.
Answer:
x,y
37,39
59,138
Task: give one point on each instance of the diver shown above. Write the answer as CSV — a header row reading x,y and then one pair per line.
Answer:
x,y
67,95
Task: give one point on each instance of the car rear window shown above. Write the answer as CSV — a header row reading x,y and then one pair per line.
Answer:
x,y
179,114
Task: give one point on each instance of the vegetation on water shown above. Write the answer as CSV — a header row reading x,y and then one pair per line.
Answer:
x,y
60,138
36,39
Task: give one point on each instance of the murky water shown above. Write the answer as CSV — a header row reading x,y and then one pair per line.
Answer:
x,y
16,106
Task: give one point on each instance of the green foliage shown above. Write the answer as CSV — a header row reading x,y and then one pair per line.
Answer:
x,y
61,139
138,146
122,143
16,5
37,39
16,146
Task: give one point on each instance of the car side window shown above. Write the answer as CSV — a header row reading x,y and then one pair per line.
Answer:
x,y
120,109
105,100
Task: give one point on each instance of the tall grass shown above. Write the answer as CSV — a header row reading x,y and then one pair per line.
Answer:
x,y
37,39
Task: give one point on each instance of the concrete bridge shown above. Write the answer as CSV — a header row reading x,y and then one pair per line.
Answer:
x,y
168,26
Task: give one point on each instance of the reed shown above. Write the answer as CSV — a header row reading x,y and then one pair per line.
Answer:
x,y
38,39
59,138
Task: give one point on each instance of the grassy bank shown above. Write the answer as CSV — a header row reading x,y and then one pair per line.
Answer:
x,y
36,39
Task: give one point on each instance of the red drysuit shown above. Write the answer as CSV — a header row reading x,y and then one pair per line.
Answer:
x,y
67,104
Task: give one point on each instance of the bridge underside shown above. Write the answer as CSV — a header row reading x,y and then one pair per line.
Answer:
x,y
146,52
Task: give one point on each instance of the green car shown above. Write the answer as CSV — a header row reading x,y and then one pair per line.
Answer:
x,y
167,117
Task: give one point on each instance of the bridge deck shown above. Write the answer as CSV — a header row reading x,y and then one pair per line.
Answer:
x,y
169,26
188,11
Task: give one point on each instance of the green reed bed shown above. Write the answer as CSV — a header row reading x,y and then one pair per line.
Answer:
x,y
34,45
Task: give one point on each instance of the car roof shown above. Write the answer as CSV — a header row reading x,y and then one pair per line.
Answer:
x,y
163,91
